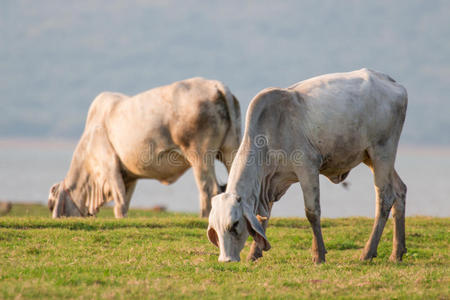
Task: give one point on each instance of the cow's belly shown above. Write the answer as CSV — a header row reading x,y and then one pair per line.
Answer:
x,y
341,145
152,155
166,166
337,167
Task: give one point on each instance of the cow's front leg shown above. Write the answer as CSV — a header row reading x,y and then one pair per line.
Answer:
x,y
311,195
119,194
207,186
255,251
129,190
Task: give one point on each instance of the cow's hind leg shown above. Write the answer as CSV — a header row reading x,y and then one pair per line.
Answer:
x,y
398,212
383,170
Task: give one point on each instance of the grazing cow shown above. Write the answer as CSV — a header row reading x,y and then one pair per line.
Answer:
x,y
5,208
324,125
157,134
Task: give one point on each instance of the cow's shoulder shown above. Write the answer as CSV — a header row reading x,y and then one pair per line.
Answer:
x,y
197,89
273,99
103,104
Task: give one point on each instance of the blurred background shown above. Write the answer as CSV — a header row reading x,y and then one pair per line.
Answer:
x,y
56,56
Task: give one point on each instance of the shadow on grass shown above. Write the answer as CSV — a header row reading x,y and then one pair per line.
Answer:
x,y
100,224
342,245
36,216
303,223
165,220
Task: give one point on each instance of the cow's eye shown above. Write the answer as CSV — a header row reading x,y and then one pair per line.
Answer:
x,y
233,228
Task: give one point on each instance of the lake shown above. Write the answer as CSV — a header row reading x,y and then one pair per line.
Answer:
x,y
29,167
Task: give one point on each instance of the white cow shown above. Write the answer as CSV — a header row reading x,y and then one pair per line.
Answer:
x,y
158,134
324,125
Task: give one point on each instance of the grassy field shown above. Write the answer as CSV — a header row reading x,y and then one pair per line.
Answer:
x,y
166,255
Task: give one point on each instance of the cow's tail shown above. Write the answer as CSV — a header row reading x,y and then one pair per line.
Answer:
x,y
232,139
234,111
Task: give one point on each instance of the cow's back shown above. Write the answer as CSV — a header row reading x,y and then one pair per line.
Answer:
x,y
344,114
199,111
164,121
332,119
350,110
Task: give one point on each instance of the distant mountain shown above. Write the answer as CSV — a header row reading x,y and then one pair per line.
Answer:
x,y
56,56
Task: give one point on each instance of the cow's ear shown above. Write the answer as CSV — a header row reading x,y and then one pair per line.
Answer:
x,y
256,230
212,236
54,189
58,209
53,193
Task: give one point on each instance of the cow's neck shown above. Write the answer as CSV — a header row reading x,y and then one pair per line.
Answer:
x,y
246,176
258,182
85,189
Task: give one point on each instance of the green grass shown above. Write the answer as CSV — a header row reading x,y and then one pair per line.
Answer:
x,y
166,255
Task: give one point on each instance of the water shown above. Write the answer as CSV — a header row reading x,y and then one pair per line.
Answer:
x,y
29,167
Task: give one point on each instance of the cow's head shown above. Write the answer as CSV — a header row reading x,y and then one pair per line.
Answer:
x,y
61,203
230,223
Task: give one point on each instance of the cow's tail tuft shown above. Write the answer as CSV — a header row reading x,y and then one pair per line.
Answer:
x,y
234,113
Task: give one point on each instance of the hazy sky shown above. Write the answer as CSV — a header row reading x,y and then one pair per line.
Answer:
x,y
56,56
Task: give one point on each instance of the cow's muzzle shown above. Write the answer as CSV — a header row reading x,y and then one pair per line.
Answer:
x,y
229,259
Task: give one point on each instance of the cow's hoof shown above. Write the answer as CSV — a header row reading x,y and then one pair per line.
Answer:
x,y
254,256
204,212
255,253
318,260
397,256
120,211
368,256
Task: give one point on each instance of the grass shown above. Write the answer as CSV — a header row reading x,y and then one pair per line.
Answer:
x,y
167,255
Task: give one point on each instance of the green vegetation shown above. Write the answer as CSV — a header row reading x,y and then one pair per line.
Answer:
x,y
167,255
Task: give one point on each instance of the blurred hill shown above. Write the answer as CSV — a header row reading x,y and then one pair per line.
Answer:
x,y
56,56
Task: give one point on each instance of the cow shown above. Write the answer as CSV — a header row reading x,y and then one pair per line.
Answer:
x,y
157,134
324,125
